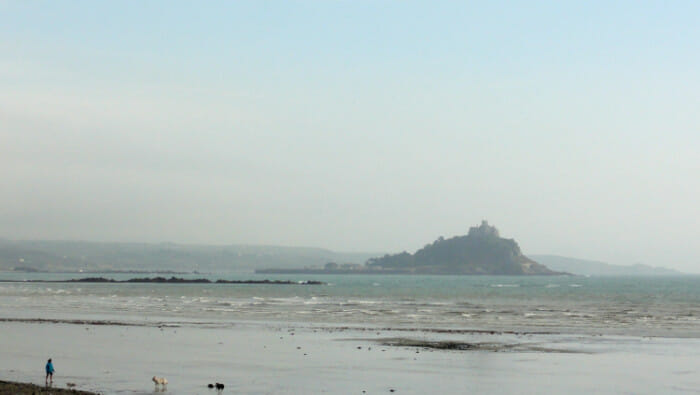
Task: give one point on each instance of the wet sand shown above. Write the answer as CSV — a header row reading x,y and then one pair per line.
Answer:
x,y
269,358
13,388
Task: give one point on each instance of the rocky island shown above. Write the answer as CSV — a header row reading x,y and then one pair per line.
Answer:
x,y
481,252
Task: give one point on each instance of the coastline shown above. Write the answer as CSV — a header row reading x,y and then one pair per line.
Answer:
x,y
17,388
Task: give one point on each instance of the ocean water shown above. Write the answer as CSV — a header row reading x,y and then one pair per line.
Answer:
x,y
357,334
634,306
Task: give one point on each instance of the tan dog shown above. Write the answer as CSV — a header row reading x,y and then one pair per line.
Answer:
x,y
160,380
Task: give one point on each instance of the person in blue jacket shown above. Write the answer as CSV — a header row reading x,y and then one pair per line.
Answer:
x,y
49,371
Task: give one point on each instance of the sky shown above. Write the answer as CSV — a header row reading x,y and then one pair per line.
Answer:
x,y
355,125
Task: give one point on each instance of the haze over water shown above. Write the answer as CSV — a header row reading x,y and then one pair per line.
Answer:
x,y
355,126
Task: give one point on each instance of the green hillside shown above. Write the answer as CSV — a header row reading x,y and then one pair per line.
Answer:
x,y
93,256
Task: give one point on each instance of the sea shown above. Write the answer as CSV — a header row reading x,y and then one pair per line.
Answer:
x,y
639,306
355,334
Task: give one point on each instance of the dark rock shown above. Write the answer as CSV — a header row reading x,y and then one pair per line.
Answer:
x,y
482,251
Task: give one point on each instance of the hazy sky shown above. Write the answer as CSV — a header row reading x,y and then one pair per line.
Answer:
x,y
355,126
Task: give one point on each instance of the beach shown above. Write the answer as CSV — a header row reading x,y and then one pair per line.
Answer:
x,y
255,358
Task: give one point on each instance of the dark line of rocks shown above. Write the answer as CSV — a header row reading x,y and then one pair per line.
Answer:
x,y
172,280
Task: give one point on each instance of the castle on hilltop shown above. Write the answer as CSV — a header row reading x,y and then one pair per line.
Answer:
x,y
484,230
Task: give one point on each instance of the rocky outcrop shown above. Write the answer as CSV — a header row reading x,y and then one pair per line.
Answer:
x,y
481,251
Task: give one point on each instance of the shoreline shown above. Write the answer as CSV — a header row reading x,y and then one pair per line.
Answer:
x,y
290,359
168,322
19,388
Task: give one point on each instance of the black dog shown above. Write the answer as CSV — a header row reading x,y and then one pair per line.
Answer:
x,y
219,386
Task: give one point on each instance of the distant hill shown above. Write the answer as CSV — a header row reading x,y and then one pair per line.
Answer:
x,y
594,268
481,251
93,256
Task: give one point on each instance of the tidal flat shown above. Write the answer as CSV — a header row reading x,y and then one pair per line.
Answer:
x,y
278,358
